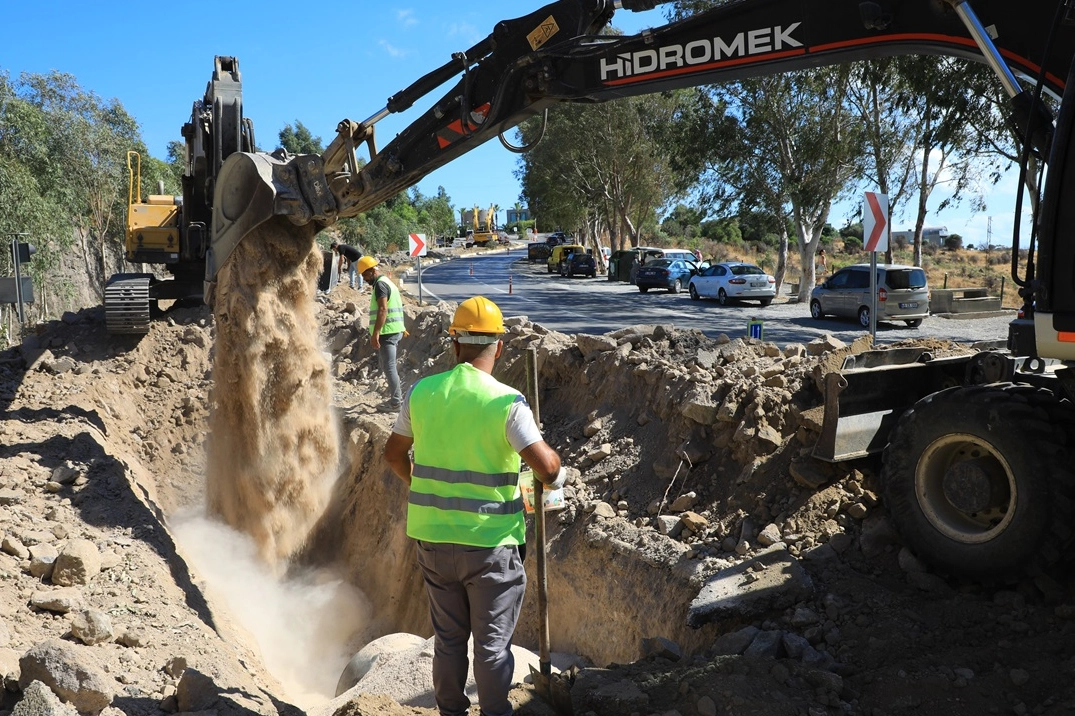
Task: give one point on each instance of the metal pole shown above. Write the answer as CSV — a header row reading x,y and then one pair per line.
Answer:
x,y
873,295
18,277
539,527
419,280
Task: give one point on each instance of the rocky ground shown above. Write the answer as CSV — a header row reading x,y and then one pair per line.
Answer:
x,y
687,455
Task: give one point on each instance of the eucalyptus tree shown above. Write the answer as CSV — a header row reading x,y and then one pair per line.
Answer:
x,y
786,144
957,139
601,164
887,107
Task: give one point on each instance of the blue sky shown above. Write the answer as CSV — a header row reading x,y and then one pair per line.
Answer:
x,y
315,61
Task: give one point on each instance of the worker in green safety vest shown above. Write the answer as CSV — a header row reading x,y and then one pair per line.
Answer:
x,y
465,508
386,327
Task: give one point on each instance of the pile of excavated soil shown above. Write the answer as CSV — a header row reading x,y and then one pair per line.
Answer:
x,y
690,474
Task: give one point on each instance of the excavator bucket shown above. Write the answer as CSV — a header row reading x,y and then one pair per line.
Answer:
x,y
252,188
872,390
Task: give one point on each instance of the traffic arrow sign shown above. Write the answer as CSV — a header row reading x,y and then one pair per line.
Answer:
x,y
875,222
418,244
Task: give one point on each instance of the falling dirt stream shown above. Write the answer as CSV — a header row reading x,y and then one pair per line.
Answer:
x,y
273,449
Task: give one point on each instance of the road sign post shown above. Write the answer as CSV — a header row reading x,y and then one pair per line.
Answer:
x,y
418,247
21,253
875,232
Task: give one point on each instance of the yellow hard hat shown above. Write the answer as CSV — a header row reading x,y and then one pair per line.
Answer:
x,y
477,315
366,263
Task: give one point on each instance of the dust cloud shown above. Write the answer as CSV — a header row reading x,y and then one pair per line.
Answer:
x,y
303,625
273,449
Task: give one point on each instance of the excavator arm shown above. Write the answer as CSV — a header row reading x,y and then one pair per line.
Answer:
x,y
557,55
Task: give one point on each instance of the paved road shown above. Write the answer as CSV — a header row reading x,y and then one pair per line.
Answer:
x,y
584,305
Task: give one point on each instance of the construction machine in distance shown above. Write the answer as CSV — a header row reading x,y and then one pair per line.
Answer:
x,y
977,452
479,226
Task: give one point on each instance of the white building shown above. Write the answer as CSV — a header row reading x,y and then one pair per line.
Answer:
x,y
930,235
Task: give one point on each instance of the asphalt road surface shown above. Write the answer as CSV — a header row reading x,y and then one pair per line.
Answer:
x,y
596,305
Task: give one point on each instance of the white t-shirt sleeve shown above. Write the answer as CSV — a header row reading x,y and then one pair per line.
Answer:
x,y
403,420
521,430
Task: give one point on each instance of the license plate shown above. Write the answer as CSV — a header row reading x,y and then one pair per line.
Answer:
x,y
757,284
909,305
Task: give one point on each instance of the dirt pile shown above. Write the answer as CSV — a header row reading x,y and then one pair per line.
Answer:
x,y
689,467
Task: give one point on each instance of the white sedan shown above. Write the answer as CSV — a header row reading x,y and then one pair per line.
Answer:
x,y
733,281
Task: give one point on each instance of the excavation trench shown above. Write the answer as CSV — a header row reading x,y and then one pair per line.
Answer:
x,y
643,417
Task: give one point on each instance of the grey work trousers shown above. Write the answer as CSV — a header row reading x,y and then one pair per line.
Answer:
x,y
386,357
475,590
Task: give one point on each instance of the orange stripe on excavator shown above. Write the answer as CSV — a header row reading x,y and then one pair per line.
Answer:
x,y
1066,336
933,37
451,134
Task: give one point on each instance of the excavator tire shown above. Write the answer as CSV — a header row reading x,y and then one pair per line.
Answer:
x,y
978,480
127,303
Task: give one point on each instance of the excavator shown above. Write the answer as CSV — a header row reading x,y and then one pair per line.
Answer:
x,y
977,453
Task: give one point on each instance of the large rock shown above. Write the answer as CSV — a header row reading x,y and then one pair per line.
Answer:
x,y
772,580
91,627
42,560
9,669
196,691
70,671
60,601
591,346
401,666
78,563
38,700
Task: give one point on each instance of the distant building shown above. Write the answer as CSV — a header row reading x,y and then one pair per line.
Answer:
x,y
517,215
930,235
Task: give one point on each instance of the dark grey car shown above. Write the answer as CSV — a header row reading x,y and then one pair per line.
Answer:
x,y
902,294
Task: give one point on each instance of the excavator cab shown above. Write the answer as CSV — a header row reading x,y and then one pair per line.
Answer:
x,y
153,224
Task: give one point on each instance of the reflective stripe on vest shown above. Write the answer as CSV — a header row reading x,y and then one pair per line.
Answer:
x,y
394,320
465,483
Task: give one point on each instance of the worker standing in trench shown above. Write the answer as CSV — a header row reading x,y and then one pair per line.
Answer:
x,y
465,510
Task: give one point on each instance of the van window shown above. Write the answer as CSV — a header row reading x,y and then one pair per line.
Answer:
x,y
859,279
906,278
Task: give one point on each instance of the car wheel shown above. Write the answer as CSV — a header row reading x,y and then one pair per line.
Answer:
x,y
643,289
676,285
694,292
815,310
915,323
549,268
765,302
864,316
722,297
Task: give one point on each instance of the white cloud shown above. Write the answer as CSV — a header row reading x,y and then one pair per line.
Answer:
x,y
466,31
392,50
406,17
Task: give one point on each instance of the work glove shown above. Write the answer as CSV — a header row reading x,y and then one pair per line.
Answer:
x,y
560,481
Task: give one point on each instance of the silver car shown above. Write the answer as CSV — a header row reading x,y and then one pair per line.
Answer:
x,y
902,294
733,281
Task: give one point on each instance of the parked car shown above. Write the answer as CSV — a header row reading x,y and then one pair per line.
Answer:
x,y
902,294
578,263
559,252
620,262
733,281
672,274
